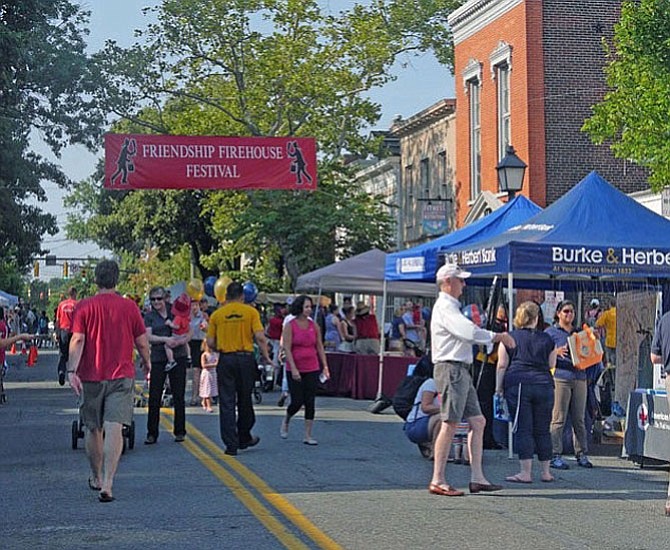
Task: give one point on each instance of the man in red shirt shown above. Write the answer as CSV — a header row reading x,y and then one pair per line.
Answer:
x,y
64,330
367,331
104,329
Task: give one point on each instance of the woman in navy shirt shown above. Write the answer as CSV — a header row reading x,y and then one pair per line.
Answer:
x,y
524,376
571,390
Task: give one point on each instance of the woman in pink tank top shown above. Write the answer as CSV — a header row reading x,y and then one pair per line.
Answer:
x,y
304,350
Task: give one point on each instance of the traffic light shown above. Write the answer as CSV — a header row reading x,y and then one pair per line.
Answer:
x,y
66,270
36,270
83,275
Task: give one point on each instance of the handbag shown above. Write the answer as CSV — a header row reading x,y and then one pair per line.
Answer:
x,y
585,348
500,408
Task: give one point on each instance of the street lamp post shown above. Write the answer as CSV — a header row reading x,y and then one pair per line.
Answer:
x,y
511,170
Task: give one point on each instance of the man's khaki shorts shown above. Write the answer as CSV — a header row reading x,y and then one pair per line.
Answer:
x,y
107,401
459,397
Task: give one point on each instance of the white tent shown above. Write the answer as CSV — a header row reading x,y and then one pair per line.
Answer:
x,y
8,300
361,274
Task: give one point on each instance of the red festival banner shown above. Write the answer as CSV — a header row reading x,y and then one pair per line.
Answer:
x,y
143,161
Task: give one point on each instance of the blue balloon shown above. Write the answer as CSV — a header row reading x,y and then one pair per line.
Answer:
x,y
209,285
476,314
250,292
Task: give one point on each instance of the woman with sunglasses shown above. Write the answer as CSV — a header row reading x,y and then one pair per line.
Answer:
x,y
159,335
571,391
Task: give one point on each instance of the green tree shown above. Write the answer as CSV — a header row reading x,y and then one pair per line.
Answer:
x,y
43,91
258,68
635,113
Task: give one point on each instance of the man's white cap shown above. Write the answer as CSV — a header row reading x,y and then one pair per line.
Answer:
x,y
595,302
451,270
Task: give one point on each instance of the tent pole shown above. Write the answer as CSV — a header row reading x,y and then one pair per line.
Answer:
x,y
510,317
382,343
381,402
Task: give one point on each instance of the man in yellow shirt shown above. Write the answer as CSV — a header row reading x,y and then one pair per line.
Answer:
x,y
232,330
608,321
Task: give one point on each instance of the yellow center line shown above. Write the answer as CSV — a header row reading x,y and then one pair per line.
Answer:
x,y
282,505
256,507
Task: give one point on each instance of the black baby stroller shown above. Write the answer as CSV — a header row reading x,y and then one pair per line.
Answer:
x,y
127,432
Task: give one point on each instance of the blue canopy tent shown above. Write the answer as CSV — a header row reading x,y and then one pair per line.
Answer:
x,y
421,262
594,230
594,236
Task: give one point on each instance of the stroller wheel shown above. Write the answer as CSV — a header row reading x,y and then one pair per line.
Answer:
x,y
75,434
258,396
131,435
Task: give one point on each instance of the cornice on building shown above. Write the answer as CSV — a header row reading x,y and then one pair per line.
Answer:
x,y
474,15
377,168
438,110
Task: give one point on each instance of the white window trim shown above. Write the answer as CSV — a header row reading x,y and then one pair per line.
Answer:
x,y
472,71
501,55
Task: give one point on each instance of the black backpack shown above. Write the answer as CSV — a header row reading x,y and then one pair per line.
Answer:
x,y
405,395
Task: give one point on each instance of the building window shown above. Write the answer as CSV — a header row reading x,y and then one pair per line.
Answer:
x,y
501,68
424,176
408,184
504,127
442,167
475,138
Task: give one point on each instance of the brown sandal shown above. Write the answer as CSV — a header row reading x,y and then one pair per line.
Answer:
x,y
444,490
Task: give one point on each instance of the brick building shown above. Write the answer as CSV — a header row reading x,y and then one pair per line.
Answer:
x,y
527,73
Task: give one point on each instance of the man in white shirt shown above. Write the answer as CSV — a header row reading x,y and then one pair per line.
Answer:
x,y
453,336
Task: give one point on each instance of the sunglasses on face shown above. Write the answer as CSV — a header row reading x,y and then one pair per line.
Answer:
x,y
156,299
567,311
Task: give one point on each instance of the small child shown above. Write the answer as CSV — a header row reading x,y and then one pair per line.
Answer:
x,y
208,382
180,325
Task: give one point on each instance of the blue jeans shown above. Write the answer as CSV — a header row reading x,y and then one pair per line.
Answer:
x,y
535,405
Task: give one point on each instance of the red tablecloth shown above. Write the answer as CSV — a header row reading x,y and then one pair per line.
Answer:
x,y
356,376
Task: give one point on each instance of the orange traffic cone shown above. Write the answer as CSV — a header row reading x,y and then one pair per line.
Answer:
x,y
13,349
32,356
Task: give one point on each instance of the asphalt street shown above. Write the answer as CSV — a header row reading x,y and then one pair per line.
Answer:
x,y
363,486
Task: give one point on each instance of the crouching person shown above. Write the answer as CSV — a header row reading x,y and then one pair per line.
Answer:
x,y
423,421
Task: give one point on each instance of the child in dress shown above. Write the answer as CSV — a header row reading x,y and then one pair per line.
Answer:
x,y
208,382
180,325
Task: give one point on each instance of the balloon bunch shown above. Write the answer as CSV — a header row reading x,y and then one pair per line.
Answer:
x,y
216,288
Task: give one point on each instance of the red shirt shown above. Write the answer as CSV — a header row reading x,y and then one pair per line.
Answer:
x,y
110,324
64,313
4,333
366,327
275,327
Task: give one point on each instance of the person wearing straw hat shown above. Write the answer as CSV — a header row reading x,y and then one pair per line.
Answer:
x,y
453,336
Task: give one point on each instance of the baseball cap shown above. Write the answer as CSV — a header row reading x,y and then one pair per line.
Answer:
x,y
451,270
595,302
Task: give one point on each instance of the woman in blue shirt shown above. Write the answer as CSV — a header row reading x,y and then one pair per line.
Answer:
x,y
571,390
524,376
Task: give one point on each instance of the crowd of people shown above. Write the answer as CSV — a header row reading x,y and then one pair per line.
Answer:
x,y
222,347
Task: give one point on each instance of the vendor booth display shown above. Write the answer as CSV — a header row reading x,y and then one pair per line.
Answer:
x,y
594,238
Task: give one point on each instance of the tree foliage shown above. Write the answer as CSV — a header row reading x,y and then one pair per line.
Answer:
x,y
257,68
635,113
43,91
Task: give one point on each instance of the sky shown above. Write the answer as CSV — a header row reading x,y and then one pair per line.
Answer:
x,y
421,81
